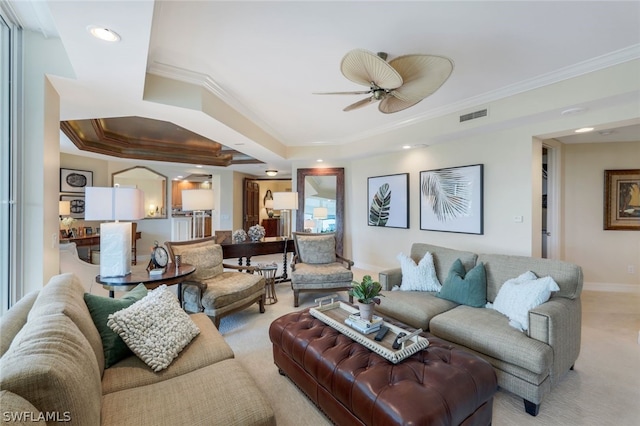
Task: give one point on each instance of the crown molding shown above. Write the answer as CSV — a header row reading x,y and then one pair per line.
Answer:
x,y
604,61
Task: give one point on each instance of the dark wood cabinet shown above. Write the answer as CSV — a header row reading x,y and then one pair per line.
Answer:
x,y
271,227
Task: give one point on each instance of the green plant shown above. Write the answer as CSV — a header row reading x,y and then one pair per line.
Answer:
x,y
367,291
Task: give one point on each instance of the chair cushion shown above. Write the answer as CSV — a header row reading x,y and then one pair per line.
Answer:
x,y
316,249
229,287
317,274
206,256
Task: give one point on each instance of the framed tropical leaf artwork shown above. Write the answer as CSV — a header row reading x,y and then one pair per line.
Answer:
x,y
388,201
451,200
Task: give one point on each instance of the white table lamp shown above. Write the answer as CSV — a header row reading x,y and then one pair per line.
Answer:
x,y
115,237
197,201
320,213
285,202
64,208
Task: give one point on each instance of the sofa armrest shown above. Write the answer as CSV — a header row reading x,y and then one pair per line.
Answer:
x,y
390,277
348,262
558,323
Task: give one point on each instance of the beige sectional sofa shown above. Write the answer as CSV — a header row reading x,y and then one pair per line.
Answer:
x,y
526,363
52,368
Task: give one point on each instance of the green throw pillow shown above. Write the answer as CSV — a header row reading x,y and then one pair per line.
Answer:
x,y
100,308
465,288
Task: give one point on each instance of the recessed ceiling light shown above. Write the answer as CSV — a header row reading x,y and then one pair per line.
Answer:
x,y
199,166
584,130
606,132
406,146
103,33
319,160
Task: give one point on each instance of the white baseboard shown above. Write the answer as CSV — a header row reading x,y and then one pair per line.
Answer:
x,y
617,288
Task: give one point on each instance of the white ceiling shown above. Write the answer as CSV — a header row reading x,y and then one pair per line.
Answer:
x,y
266,58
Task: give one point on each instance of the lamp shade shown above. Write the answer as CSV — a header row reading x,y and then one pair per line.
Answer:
x,y
285,200
113,203
320,213
197,199
64,208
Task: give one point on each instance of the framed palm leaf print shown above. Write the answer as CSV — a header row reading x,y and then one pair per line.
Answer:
x,y
451,200
388,201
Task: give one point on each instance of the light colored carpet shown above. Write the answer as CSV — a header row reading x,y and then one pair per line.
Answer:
x,y
604,388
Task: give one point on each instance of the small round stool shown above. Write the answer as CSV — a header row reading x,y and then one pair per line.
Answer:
x,y
269,274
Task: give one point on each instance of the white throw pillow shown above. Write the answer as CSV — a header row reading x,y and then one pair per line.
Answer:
x,y
518,296
155,328
420,277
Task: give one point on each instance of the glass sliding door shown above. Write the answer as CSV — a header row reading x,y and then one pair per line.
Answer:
x,y
10,119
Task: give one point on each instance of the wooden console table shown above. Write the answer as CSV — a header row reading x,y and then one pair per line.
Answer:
x,y
271,245
89,241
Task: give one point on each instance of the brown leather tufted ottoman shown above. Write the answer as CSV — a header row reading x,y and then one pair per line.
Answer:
x,y
353,386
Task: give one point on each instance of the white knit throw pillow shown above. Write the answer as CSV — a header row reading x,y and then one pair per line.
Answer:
x,y
518,296
155,328
420,277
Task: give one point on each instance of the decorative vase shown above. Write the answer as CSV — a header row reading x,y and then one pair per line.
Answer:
x,y
256,232
366,311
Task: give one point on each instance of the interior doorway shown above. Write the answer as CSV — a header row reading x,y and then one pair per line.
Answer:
x,y
550,201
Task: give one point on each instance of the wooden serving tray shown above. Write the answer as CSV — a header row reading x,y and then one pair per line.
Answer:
x,y
334,314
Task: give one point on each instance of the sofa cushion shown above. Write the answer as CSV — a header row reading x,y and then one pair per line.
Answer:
x,y
465,288
18,411
52,364
488,332
316,249
501,268
12,321
420,276
413,308
155,328
100,308
221,394
206,348
64,294
443,257
519,295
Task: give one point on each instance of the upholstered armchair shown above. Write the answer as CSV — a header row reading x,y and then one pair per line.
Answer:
x,y
317,267
211,289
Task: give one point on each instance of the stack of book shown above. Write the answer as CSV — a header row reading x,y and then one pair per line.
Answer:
x,y
365,327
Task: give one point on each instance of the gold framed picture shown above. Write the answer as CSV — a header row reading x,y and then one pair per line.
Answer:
x,y
622,200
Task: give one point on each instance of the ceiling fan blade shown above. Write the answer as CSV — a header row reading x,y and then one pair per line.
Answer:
x,y
364,67
422,75
362,92
390,104
360,104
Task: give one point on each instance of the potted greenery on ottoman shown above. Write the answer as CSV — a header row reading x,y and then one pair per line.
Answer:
x,y
367,294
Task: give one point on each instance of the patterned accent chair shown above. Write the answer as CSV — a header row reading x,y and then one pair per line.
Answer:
x,y
211,289
317,267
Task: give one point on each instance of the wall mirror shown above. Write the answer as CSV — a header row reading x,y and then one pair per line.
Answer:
x,y
153,184
321,202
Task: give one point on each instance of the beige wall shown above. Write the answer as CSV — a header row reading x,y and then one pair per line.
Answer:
x,y
604,255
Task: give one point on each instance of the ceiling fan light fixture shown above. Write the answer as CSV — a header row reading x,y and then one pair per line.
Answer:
x,y
271,172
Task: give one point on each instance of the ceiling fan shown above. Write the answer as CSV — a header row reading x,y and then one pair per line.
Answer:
x,y
398,84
